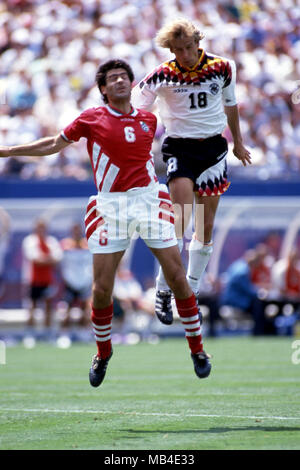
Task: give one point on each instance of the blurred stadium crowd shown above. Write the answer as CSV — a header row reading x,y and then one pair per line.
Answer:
x,y
258,292
50,51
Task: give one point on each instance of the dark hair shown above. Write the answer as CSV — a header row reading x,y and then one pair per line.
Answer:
x,y
110,65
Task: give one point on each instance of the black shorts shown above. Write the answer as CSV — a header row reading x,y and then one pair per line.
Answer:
x,y
41,292
73,295
202,161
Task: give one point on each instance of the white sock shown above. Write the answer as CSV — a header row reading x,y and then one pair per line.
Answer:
x,y
161,283
199,255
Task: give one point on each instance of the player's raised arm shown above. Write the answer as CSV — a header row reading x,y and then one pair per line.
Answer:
x,y
38,148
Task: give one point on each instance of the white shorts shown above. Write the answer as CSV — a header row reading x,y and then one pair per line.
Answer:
x,y
113,219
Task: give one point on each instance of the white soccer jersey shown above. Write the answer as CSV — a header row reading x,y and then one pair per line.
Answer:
x,y
190,101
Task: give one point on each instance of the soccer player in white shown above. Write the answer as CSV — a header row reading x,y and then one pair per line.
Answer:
x,y
119,139
195,93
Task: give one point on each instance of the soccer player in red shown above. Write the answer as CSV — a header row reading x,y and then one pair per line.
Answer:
x,y
119,139
42,253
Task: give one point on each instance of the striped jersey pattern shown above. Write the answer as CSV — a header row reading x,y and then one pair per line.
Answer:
x,y
119,146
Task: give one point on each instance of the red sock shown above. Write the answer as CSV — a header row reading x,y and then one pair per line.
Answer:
x,y
101,321
189,316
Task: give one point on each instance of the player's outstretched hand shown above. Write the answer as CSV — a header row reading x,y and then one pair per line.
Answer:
x,y
242,154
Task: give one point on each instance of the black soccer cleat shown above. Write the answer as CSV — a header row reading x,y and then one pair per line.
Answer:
x,y
163,307
202,366
98,370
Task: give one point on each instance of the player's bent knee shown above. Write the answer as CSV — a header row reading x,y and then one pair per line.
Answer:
x,y
178,283
101,294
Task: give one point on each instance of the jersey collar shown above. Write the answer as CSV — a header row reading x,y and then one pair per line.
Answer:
x,y
197,65
118,113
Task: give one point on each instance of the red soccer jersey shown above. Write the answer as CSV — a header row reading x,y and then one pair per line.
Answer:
x,y
119,146
42,274
292,279
261,275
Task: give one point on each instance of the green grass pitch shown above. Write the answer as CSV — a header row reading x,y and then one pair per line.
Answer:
x,y
151,399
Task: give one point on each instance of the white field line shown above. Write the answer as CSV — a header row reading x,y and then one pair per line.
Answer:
x,y
137,413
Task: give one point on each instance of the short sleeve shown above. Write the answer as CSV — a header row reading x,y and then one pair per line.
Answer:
x,y
143,96
77,129
229,98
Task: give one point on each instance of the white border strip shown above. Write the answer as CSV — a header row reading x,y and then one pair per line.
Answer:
x,y
136,413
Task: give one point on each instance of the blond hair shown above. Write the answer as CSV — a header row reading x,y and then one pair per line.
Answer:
x,y
177,29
